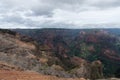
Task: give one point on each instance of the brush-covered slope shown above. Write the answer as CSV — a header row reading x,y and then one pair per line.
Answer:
x,y
74,46
50,57
18,50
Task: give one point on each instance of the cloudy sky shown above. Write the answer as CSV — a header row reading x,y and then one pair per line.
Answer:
x,y
59,13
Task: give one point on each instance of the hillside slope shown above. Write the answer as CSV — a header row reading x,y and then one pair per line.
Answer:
x,y
22,53
18,50
88,44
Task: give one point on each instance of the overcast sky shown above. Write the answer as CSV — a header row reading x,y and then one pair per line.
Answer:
x,y
59,13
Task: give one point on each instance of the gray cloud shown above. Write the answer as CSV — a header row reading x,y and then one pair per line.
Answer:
x,y
51,13
45,7
106,3
74,5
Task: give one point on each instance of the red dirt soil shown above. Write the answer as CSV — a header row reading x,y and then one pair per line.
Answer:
x,y
20,75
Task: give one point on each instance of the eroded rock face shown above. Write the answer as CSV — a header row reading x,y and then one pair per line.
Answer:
x,y
96,70
82,71
90,45
15,51
24,53
92,70
82,68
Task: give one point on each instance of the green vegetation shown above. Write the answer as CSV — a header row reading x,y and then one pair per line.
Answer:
x,y
90,45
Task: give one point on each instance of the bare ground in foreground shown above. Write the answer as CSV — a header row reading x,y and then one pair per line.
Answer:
x,y
17,75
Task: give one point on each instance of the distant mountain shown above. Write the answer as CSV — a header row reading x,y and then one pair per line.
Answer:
x,y
87,44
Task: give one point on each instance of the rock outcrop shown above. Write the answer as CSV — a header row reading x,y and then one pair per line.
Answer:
x,y
96,70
